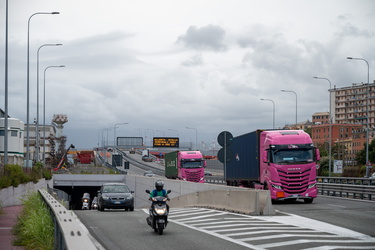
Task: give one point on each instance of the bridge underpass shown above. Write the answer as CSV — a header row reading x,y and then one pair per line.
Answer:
x,y
76,185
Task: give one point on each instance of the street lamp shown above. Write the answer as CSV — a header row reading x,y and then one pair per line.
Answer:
x,y
174,130
44,111
28,85
196,137
296,100
273,110
367,111
37,98
330,125
114,132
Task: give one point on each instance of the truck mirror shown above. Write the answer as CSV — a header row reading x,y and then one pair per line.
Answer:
x,y
204,164
265,153
317,152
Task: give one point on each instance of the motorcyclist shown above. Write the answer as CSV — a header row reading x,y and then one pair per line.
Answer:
x,y
159,191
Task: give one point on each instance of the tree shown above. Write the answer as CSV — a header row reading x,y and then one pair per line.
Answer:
x,y
361,155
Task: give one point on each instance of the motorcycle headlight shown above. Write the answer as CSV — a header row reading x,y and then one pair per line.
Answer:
x,y
160,211
85,200
153,199
312,185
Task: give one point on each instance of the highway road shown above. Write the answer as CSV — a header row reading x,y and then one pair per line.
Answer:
x,y
327,223
201,228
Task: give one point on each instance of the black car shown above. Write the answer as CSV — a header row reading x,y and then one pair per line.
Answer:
x,y
116,196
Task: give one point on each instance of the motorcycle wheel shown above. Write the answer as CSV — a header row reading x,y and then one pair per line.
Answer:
x,y
160,228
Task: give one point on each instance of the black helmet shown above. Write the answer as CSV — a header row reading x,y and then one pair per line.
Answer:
x,y
159,185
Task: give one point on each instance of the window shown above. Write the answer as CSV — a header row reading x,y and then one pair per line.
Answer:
x,y
2,132
13,133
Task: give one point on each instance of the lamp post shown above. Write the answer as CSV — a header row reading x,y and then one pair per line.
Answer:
x,y
273,109
174,130
367,111
296,100
330,125
37,98
44,111
6,87
153,135
196,137
114,132
161,131
28,85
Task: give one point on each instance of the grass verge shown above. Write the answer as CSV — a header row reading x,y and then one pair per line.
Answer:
x,y
34,229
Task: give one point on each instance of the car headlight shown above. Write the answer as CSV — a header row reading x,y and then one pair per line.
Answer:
x,y
160,211
105,197
276,186
312,185
129,198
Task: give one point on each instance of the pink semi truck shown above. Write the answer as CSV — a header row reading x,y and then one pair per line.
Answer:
x,y
185,165
282,161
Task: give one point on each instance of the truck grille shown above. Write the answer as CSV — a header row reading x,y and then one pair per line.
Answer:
x,y
294,182
193,176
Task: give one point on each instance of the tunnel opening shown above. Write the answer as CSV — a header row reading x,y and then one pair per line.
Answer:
x,y
76,193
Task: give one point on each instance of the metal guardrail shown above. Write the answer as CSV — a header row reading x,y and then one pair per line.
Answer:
x,y
346,180
347,190
69,232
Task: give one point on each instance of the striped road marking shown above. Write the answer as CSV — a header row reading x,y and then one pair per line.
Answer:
x,y
286,231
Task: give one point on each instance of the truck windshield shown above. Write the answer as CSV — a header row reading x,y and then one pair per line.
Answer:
x,y
292,156
192,164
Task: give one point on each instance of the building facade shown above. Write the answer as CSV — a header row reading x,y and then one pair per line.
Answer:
x,y
15,137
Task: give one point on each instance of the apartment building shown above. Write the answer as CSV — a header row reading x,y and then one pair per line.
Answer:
x,y
349,107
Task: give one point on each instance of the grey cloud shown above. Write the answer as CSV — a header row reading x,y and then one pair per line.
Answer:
x,y
209,37
193,61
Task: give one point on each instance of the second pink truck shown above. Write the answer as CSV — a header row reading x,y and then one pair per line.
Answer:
x,y
282,161
185,165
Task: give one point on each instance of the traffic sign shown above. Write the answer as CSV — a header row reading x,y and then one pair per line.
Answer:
x,y
221,155
225,138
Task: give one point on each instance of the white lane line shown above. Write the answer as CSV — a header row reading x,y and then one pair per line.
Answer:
x,y
332,205
231,221
189,214
297,230
297,242
201,217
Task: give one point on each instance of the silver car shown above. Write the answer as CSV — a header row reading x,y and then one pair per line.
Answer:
x,y
115,196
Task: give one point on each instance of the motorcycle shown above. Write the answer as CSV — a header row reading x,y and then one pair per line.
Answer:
x,y
94,203
86,201
158,218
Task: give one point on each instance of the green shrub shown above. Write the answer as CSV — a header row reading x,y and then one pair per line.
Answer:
x,y
34,228
13,176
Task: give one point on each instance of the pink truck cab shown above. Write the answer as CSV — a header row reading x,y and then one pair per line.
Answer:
x,y
288,165
185,165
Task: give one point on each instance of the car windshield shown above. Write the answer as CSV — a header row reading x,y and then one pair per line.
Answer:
x,y
294,156
116,189
192,164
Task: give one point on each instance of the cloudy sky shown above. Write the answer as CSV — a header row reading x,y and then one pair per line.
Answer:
x,y
165,65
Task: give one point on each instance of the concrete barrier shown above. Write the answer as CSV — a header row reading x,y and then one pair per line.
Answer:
x,y
12,196
235,199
